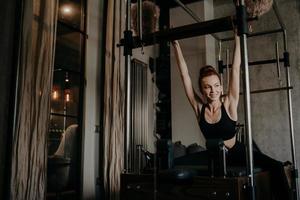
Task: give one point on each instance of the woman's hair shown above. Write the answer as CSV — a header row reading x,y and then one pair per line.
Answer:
x,y
205,71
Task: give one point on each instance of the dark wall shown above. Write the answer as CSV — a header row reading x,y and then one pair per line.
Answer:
x,y
7,57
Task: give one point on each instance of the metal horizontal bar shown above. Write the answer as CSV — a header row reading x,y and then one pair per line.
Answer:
x,y
255,34
187,31
67,70
260,62
63,115
269,90
72,28
264,62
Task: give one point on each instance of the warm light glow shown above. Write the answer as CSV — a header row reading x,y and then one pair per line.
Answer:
x,y
67,10
55,95
67,77
67,97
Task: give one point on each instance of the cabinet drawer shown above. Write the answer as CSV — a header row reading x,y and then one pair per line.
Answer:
x,y
142,187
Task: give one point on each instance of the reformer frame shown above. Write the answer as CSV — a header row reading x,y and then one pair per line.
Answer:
x,y
288,87
204,28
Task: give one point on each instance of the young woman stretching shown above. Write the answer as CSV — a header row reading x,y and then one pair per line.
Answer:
x,y
217,116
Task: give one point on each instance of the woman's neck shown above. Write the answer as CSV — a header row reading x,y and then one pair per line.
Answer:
x,y
214,105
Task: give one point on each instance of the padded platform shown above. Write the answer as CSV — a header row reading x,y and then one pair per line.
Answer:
x,y
232,171
192,162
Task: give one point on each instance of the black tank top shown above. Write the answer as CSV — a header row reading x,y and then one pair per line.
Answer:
x,y
225,128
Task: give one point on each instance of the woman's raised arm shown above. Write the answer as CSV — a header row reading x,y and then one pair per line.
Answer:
x,y
234,82
186,79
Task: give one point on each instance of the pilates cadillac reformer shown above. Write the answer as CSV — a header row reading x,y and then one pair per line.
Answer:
x,y
211,27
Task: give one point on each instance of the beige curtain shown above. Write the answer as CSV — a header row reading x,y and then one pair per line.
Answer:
x,y
29,153
114,100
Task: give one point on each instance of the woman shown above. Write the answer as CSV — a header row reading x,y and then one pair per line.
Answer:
x,y
217,116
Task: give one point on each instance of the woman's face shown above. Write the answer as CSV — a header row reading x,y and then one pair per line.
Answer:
x,y
211,88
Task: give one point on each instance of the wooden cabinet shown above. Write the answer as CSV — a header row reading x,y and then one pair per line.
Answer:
x,y
144,187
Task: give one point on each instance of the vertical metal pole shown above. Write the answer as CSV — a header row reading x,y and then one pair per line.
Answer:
x,y
278,16
134,104
278,63
277,60
128,94
247,106
146,109
140,104
139,111
144,106
227,70
140,20
220,63
291,124
139,158
220,50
